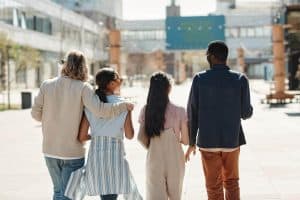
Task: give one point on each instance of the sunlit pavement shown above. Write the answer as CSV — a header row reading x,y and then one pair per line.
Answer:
x,y
269,163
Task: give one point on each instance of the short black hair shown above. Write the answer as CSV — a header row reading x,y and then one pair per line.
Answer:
x,y
219,49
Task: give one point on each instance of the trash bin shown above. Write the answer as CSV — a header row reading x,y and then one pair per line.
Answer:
x,y
26,100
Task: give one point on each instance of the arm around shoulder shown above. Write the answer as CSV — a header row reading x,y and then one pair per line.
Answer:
x,y
98,108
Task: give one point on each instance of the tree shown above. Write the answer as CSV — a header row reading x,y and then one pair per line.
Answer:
x,y
5,43
25,57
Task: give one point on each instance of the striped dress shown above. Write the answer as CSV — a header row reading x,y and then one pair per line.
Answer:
x,y
107,170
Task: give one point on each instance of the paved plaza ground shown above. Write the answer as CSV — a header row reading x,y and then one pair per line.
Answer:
x,y
269,163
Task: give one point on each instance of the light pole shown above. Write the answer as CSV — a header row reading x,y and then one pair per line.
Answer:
x,y
61,32
8,76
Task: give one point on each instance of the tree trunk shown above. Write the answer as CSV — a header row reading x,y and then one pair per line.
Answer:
x,y
2,75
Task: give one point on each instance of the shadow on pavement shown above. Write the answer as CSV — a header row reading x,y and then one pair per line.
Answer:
x,y
293,114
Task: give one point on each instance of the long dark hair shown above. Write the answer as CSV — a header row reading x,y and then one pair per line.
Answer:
x,y
103,77
157,101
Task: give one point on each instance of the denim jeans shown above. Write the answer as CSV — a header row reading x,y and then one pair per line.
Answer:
x,y
109,197
60,171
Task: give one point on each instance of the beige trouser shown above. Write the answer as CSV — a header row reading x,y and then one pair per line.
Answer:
x,y
164,167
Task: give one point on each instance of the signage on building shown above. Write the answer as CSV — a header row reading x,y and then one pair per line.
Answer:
x,y
190,33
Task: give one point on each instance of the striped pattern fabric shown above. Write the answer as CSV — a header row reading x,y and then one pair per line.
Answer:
x,y
106,172
76,188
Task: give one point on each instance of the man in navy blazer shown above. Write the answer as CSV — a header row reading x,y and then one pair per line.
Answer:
x,y
218,100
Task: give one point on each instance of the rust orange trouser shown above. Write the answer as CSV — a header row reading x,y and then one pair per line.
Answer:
x,y
221,170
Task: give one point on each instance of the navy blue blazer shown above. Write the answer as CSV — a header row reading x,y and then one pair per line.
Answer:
x,y
218,100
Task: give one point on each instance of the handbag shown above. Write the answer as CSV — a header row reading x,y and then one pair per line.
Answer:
x,y
76,187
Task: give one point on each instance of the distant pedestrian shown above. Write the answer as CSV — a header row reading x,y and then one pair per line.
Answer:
x,y
59,106
163,128
106,172
219,98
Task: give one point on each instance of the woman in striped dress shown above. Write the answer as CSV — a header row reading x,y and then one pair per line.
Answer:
x,y
106,172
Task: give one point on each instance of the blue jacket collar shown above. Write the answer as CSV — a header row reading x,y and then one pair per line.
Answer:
x,y
220,67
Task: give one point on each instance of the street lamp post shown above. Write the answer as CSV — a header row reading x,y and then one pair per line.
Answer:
x,y
61,32
8,76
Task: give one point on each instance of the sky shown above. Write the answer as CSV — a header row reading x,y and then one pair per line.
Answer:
x,y
155,9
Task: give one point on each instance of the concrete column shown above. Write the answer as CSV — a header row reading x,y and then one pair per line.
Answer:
x,y
46,71
30,78
82,38
241,59
278,58
123,63
279,65
12,72
159,60
179,68
114,51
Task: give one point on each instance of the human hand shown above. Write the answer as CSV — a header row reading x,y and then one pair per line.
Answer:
x,y
191,149
130,106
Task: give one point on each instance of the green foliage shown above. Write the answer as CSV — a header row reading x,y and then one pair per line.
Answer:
x,y
25,57
4,43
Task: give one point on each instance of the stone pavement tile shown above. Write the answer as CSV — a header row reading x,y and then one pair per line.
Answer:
x,y
252,177
136,156
291,196
260,86
261,197
194,182
23,172
288,187
280,172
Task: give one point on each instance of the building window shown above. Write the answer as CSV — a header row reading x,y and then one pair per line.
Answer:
x,y
21,76
243,32
144,35
259,32
233,32
267,31
227,32
250,32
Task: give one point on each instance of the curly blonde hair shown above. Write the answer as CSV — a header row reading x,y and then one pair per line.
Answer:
x,y
75,66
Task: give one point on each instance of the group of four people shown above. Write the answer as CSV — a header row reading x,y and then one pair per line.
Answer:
x,y
68,107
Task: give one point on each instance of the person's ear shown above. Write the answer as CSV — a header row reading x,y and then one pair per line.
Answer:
x,y
111,84
212,57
